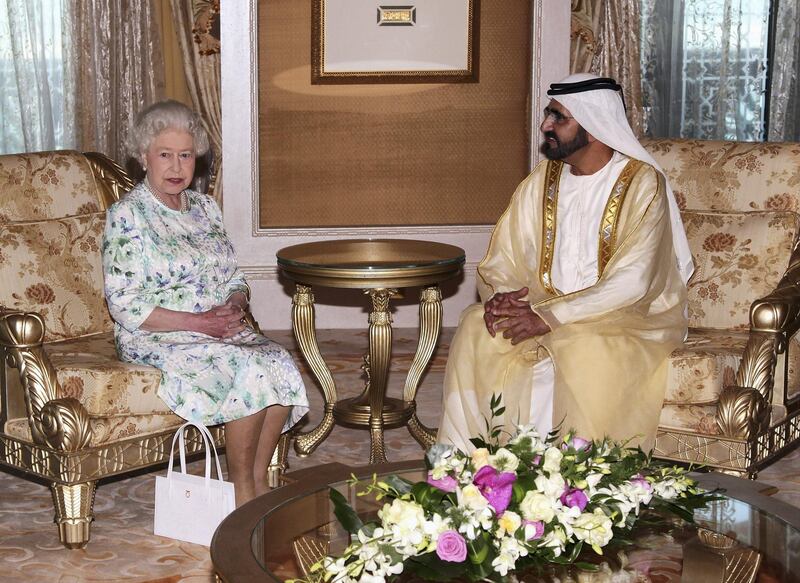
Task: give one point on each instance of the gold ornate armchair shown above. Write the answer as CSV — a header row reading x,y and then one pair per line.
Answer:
x,y
70,412
733,394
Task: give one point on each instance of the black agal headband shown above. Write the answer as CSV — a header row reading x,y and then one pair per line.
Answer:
x,y
588,85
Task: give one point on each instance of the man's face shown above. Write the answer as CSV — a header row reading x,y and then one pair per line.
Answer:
x,y
563,136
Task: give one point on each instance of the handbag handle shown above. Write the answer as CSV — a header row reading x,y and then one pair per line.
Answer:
x,y
208,441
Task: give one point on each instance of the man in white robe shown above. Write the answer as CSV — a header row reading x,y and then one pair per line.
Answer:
x,y
583,286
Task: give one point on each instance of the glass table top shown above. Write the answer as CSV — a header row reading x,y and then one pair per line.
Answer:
x,y
745,528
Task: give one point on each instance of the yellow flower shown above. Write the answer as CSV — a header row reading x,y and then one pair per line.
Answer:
x,y
508,522
480,458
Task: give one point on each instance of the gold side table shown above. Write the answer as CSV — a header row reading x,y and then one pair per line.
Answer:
x,y
379,267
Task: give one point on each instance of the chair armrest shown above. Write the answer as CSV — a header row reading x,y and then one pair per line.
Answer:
x,y
779,312
112,179
62,424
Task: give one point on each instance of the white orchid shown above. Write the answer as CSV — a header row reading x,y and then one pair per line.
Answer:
x,y
551,486
509,551
404,522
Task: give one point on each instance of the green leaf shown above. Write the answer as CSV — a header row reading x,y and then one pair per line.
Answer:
x,y
344,513
429,566
478,442
402,485
478,550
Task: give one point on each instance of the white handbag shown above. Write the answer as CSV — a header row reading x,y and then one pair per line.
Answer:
x,y
190,507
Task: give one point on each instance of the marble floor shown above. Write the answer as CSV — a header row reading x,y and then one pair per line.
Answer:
x,y
123,547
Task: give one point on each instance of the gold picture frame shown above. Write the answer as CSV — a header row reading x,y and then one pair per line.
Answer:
x,y
406,41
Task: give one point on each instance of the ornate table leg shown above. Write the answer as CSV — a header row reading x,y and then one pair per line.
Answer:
x,y
430,325
380,352
305,333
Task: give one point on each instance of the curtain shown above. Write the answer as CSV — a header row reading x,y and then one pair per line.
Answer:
x,y
605,41
584,28
37,93
784,104
120,70
704,68
196,24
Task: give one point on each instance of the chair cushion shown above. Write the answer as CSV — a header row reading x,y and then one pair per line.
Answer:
x,y
54,267
108,429
706,363
739,258
703,366
88,369
46,185
692,418
731,176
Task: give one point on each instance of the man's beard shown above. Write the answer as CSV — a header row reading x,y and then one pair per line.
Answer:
x,y
560,150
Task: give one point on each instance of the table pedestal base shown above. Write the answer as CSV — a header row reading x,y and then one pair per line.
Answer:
x,y
372,409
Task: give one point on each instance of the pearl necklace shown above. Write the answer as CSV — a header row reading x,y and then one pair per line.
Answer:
x,y
183,196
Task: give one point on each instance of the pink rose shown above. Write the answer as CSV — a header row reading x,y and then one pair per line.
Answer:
x,y
447,484
452,547
533,529
574,497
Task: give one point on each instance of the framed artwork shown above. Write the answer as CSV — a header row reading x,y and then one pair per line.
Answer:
x,y
378,41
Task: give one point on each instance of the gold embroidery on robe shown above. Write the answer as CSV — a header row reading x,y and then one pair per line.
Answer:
x,y
608,226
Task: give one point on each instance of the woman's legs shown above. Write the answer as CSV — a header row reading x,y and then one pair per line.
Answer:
x,y
241,442
249,443
270,434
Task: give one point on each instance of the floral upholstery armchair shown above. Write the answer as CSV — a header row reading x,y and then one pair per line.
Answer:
x,y
733,393
71,413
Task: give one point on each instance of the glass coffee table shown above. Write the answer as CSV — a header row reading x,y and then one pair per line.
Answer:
x,y
379,267
746,537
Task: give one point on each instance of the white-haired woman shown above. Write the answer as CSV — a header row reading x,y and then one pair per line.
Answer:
x,y
177,298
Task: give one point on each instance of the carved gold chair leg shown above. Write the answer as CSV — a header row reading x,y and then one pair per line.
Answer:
x,y
74,512
279,463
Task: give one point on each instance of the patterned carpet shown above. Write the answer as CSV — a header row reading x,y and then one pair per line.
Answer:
x,y
123,547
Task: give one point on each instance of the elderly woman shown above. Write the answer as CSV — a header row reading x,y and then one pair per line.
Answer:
x,y
178,299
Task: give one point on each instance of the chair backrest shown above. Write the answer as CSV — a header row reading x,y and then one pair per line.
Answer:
x,y
730,176
52,216
740,203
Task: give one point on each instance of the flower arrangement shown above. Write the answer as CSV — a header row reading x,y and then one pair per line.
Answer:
x,y
504,508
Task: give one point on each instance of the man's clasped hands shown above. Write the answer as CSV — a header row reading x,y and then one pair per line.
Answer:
x,y
509,312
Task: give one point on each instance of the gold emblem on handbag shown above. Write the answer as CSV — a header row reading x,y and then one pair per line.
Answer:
x,y
190,507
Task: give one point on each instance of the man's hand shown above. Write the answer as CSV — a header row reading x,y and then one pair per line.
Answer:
x,y
508,312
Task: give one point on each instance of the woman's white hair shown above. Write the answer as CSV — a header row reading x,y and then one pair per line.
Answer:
x,y
166,115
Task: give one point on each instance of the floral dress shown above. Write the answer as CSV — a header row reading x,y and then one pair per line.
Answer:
x,y
154,256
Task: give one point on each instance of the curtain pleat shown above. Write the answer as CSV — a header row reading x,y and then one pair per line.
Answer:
x,y
37,96
203,76
120,70
784,103
605,41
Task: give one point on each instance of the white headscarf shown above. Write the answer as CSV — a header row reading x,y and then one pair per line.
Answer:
x,y
602,113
